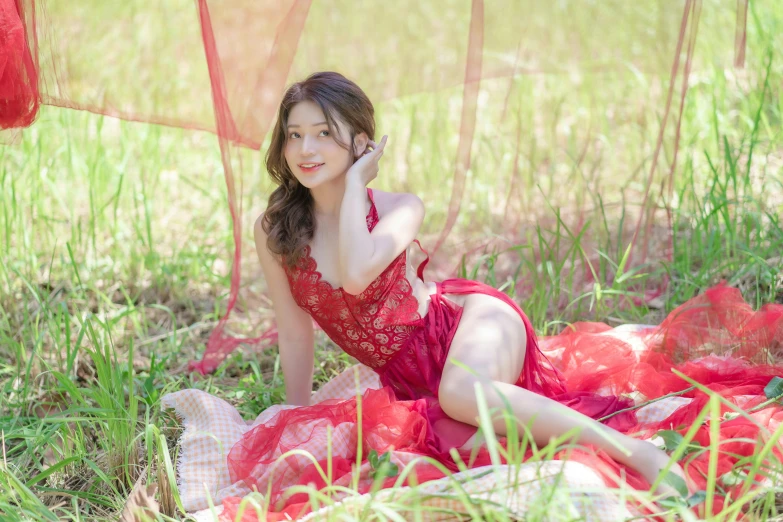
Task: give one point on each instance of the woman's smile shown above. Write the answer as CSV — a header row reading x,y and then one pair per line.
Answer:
x,y
309,168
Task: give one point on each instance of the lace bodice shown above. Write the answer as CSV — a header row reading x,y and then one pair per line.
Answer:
x,y
371,326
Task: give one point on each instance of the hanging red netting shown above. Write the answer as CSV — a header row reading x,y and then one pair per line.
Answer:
x,y
223,67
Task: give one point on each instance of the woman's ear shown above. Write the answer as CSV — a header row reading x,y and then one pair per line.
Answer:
x,y
360,142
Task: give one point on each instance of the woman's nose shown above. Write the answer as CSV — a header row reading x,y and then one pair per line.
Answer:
x,y
308,146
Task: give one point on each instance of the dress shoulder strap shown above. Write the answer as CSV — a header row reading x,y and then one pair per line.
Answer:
x,y
423,264
372,216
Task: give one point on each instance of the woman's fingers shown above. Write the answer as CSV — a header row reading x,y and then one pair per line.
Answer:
x,y
377,146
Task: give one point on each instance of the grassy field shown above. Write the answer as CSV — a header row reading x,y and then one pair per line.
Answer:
x,y
116,241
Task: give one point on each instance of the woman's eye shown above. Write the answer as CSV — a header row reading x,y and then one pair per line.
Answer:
x,y
296,134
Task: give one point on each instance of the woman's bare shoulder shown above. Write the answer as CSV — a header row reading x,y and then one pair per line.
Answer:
x,y
260,236
258,228
387,201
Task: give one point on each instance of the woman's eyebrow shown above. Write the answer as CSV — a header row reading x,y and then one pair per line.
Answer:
x,y
313,125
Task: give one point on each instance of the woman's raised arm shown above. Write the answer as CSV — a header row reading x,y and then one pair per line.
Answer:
x,y
294,326
364,255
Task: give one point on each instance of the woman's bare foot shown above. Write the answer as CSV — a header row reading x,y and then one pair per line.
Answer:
x,y
651,461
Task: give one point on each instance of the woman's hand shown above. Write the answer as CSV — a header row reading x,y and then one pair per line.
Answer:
x,y
365,169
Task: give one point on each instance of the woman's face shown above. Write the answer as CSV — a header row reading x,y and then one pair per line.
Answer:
x,y
310,142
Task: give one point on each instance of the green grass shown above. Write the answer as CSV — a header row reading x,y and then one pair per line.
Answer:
x,y
116,239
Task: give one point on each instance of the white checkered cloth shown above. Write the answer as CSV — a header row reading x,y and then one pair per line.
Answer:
x,y
212,427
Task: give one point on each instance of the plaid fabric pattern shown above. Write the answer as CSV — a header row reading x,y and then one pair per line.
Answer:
x,y
213,426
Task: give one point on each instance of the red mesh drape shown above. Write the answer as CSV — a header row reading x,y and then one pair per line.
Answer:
x,y
223,66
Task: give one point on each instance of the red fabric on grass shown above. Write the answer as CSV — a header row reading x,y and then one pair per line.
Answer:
x,y
411,424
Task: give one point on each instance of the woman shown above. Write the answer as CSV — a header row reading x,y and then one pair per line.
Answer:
x,y
336,252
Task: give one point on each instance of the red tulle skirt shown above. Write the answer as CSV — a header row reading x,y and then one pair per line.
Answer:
x,y
715,339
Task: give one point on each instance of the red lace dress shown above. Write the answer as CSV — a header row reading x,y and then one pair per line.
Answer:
x,y
382,329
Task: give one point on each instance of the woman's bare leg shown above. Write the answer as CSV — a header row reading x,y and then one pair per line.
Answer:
x,y
487,331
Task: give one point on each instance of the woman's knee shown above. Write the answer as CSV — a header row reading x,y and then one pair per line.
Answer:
x,y
457,394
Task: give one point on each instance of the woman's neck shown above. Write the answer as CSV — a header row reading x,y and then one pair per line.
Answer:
x,y
328,197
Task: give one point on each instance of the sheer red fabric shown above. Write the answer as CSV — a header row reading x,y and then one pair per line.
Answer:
x,y
19,99
588,362
386,424
233,61
717,328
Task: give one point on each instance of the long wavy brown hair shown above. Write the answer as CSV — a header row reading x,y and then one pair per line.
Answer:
x,y
289,221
